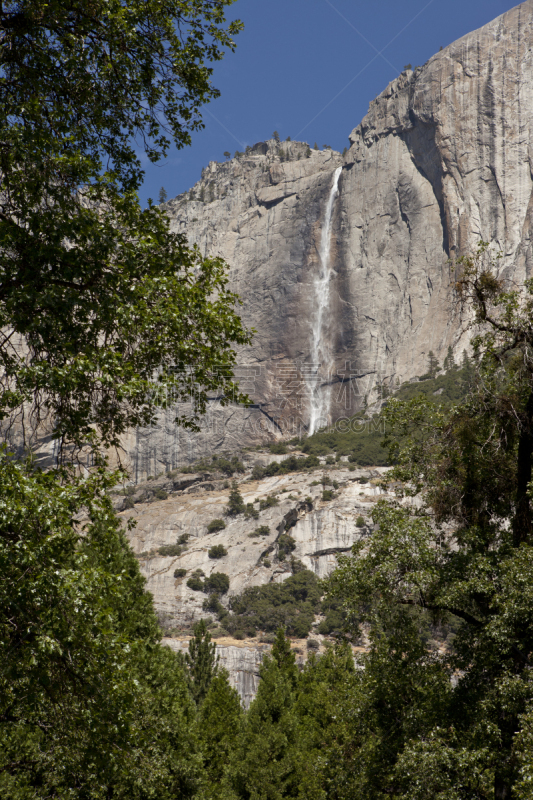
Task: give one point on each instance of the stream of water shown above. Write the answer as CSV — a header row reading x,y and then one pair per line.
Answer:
x,y
321,354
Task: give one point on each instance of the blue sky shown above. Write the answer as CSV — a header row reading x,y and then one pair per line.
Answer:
x,y
309,68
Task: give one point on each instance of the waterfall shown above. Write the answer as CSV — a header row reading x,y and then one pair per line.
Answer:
x,y
321,355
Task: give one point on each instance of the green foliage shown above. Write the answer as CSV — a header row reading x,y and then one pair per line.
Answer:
x,y
202,662
216,525
219,724
290,605
84,683
276,137
262,530
213,605
278,448
360,522
328,494
195,582
171,550
180,573
335,617
117,300
363,443
268,502
291,464
286,544
464,561
217,582
160,494
236,504
217,551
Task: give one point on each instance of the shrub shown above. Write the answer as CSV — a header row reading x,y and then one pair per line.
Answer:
x,y
335,484
360,522
262,530
334,622
218,633
330,460
269,502
312,644
216,525
363,480
180,573
286,545
160,494
290,605
170,550
297,565
184,538
227,466
327,495
217,551
250,511
239,635
278,448
195,583
128,503
212,604
258,472
267,562
217,582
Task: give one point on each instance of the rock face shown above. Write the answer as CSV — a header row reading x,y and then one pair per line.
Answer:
x,y
320,529
442,159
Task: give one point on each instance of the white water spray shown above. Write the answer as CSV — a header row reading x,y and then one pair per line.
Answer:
x,y
321,356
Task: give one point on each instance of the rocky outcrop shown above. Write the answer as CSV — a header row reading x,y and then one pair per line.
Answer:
x,y
321,530
442,159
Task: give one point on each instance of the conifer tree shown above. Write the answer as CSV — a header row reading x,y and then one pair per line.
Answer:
x,y
219,726
201,661
235,502
276,137
433,364
266,762
449,362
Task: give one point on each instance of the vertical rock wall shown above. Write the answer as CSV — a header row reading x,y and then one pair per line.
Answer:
x,y
442,159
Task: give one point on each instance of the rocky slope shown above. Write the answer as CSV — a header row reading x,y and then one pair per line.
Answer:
x,y
320,529
442,159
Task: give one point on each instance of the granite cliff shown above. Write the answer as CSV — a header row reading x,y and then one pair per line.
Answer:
x,y
442,159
